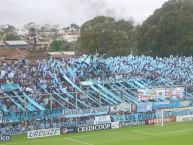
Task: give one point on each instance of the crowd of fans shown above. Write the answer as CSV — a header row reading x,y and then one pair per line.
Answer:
x,y
179,70
46,79
47,76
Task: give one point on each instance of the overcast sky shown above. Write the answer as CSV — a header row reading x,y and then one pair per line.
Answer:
x,y
65,12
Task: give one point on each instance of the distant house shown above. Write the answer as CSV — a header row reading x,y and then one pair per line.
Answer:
x,y
14,49
17,44
43,45
70,38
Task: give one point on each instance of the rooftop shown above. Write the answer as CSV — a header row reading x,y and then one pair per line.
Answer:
x,y
20,42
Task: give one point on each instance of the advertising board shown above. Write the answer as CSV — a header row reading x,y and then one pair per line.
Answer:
x,y
67,130
114,125
94,127
102,119
148,94
43,133
159,120
86,112
131,123
4,138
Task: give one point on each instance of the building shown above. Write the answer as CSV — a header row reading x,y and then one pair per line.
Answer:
x,y
43,45
20,44
70,38
14,49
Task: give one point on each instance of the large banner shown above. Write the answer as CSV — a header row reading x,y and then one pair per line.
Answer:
x,y
148,94
94,127
186,103
133,117
86,112
144,107
29,115
122,107
184,118
179,112
167,104
43,133
102,119
6,117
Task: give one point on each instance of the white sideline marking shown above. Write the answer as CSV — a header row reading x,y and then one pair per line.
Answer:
x,y
141,132
43,140
78,141
77,136
53,139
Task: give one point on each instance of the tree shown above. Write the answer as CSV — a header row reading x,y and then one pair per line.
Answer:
x,y
62,45
66,28
55,46
74,26
43,29
2,35
32,33
104,35
11,36
9,29
9,33
68,46
54,33
168,31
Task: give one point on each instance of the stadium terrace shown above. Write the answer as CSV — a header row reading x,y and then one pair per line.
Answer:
x,y
38,95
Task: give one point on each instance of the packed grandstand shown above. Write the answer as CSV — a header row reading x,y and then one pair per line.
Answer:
x,y
91,90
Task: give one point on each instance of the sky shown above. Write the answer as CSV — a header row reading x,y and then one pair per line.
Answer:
x,y
66,12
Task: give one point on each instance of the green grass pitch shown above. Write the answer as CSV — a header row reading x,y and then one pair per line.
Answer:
x,y
170,134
